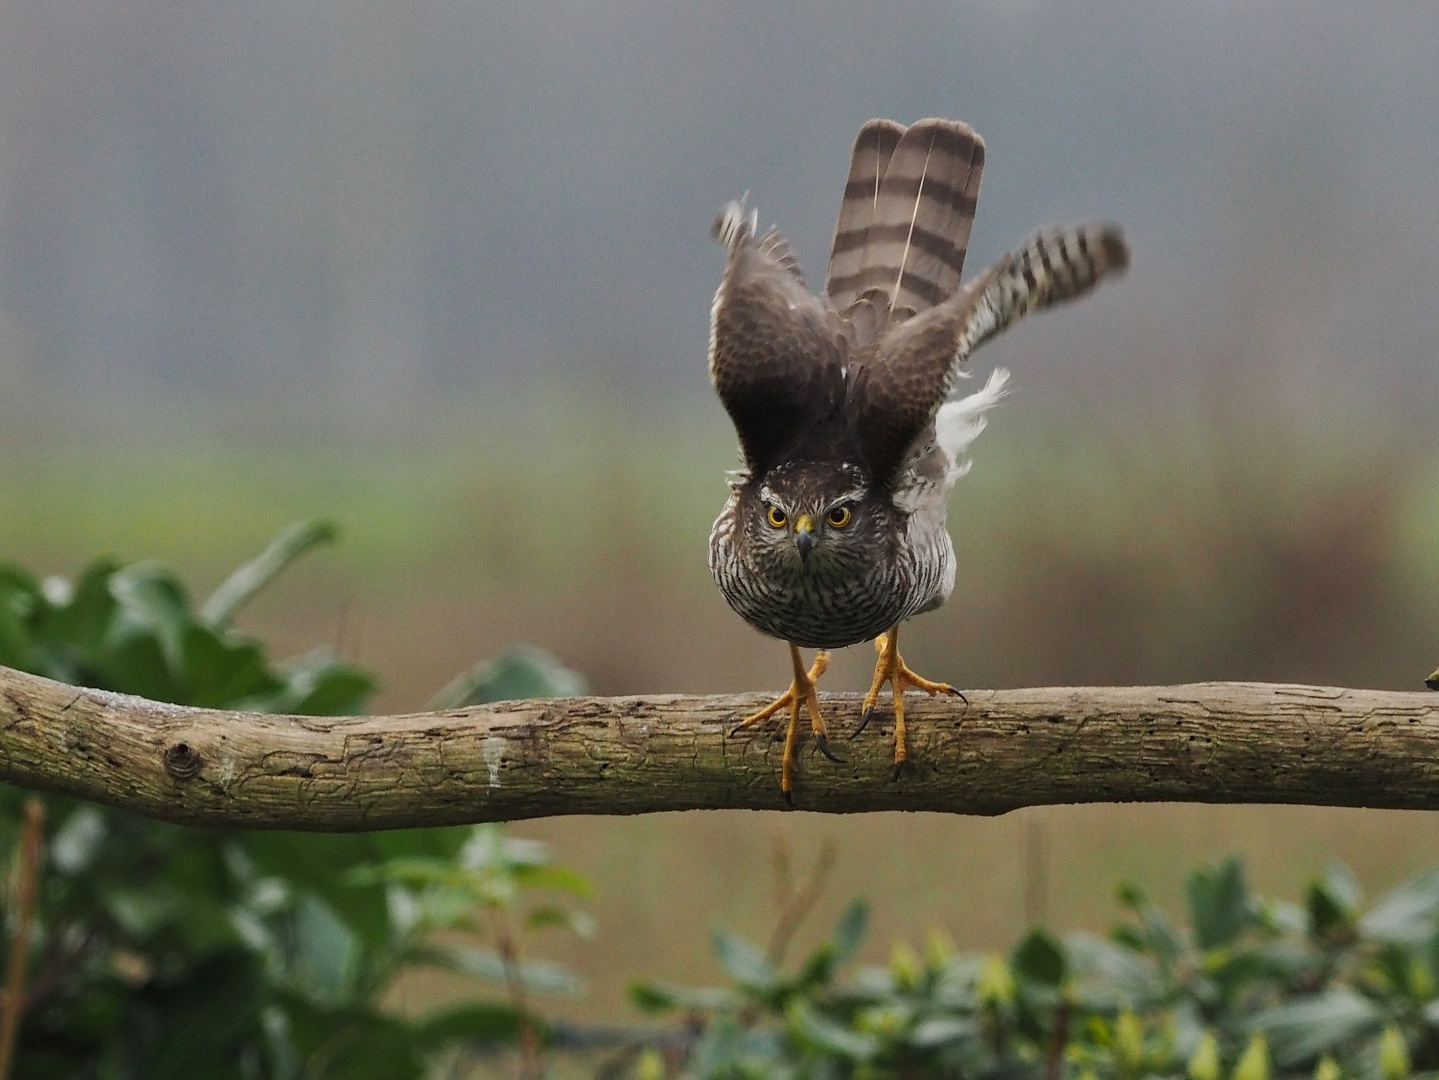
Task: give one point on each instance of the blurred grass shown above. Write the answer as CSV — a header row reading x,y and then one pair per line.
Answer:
x,y
1136,546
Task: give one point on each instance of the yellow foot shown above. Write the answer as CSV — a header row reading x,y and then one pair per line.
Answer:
x,y
801,694
891,668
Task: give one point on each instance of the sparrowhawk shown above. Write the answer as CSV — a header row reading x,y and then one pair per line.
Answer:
x,y
850,433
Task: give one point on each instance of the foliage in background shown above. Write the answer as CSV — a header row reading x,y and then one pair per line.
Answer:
x,y
158,951
132,629
1251,989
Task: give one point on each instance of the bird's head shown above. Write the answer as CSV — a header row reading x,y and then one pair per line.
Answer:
x,y
813,514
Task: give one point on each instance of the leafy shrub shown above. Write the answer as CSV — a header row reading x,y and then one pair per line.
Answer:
x,y
158,951
1251,989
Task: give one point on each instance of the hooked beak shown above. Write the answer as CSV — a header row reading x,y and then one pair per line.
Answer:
x,y
804,537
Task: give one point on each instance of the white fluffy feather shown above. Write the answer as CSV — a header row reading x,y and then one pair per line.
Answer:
x,y
958,423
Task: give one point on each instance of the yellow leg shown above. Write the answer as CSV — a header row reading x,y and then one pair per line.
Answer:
x,y
801,694
891,668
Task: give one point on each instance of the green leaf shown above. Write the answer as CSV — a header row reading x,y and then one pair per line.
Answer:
x,y
221,672
652,997
1204,1062
941,1030
1107,976
138,665
1393,1054
1239,968
1161,938
141,912
83,621
811,1026
320,684
289,544
519,674
819,967
1219,907
579,922
319,865
353,1043
1253,1064
20,599
744,962
152,602
849,931
1406,915
482,1022
76,843
1130,896
559,878
1280,918
536,976
325,963
1039,958
1332,902
1302,1029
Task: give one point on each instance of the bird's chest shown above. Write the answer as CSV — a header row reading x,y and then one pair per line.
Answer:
x,y
828,604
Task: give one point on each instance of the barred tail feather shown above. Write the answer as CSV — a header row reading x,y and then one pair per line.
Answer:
x,y
919,217
1054,267
868,162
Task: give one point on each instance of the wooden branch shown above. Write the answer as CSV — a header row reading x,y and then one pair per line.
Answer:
x,y
1207,742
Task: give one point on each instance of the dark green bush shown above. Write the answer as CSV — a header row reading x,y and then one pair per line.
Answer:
x,y
159,951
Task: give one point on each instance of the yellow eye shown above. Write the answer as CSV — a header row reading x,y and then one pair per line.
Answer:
x,y
839,517
776,517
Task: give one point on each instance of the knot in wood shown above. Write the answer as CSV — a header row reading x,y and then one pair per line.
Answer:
x,y
182,761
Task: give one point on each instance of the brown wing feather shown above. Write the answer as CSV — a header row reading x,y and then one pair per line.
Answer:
x,y
919,221
776,358
896,394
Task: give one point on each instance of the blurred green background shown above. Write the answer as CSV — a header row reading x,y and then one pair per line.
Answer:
x,y
1092,549
440,272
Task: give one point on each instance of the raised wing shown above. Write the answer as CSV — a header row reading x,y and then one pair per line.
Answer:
x,y
895,394
904,223
776,358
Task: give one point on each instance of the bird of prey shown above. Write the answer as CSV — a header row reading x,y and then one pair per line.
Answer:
x,y
850,434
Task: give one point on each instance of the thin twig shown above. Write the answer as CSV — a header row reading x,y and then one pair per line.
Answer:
x,y
26,886
793,905
1036,868
510,957
58,962
1059,1038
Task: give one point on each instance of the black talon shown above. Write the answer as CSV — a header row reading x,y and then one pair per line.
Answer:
x,y
789,799
900,769
822,741
863,722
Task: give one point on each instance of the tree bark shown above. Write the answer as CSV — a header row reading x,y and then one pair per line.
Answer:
x,y
1003,749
